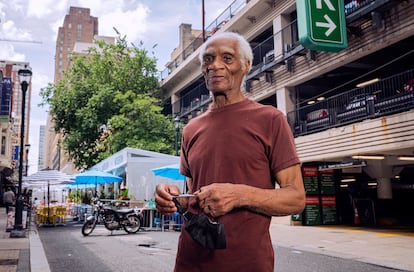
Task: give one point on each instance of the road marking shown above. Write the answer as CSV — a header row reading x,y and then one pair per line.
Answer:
x,y
387,234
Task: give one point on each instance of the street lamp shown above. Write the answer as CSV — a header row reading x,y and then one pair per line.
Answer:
x,y
1,81
25,76
177,130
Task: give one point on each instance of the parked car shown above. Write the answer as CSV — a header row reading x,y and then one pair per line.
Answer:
x,y
408,86
360,101
316,114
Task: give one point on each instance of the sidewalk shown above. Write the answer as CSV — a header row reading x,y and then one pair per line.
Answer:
x,y
21,254
386,247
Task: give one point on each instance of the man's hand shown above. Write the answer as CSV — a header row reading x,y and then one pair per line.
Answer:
x,y
163,198
218,199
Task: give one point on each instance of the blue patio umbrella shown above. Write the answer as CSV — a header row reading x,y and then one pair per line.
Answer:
x,y
95,177
171,171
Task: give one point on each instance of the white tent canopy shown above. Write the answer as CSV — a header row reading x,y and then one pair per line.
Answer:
x,y
135,166
47,177
44,178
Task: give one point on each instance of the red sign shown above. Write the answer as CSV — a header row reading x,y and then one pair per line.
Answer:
x,y
312,200
328,200
310,171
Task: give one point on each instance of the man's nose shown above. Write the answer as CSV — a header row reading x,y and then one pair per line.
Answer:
x,y
216,64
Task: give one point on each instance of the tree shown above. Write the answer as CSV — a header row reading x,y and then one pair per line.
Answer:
x,y
113,87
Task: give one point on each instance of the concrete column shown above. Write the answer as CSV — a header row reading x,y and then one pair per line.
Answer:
x,y
382,171
285,101
384,188
279,22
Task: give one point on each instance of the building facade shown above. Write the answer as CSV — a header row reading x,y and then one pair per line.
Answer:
x,y
78,27
351,111
41,156
11,120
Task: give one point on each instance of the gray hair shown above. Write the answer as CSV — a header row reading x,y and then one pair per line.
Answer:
x,y
244,49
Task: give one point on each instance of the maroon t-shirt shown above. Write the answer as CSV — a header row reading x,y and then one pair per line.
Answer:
x,y
242,143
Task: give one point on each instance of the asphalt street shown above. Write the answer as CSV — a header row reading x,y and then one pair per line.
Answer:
x,y
67,250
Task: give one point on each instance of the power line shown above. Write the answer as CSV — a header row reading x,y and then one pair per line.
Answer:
x,y
20,41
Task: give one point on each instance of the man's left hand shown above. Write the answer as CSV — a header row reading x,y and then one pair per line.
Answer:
x,y
218,199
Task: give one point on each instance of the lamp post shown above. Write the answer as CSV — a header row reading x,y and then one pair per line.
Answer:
x,y
1,80
177,130
25,75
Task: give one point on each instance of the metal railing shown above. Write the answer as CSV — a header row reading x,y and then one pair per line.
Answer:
x,y
265,55
193,100
352,5
384,97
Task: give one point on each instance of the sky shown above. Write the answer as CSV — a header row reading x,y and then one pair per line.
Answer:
x,y
153,22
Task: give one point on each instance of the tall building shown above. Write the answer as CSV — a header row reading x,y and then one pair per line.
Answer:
x,y
42,138
351,109
78,26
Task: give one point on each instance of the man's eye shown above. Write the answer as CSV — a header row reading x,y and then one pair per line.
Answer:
x,y
227,59
208,59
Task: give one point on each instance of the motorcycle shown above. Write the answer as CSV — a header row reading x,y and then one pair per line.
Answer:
x,y
113,219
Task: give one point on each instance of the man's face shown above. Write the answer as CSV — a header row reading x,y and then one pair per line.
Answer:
x,y
222,68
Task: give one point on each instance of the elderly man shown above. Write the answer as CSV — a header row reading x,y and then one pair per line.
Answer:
x,y
232,156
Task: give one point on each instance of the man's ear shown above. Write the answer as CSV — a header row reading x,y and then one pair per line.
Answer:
x,y
246,67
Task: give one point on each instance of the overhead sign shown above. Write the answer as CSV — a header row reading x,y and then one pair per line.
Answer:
x,y
342,165
321,24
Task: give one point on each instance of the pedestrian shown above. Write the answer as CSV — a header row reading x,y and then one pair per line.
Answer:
x,y
8,199
232,155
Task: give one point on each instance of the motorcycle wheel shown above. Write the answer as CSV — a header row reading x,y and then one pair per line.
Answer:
x,y
88,227
134,224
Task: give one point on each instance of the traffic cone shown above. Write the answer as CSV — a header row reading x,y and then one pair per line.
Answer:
x,y
356,217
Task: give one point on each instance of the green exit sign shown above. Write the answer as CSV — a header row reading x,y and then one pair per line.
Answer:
x,y
321,24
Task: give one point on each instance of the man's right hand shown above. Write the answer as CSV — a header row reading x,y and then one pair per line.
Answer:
x,y
163,198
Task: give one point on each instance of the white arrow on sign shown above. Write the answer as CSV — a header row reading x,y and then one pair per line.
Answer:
x,y
327,2
329,24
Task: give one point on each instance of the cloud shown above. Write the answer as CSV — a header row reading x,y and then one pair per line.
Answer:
x,y
132,23
7,53
40,8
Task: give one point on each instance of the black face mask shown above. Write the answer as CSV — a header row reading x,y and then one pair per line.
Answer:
x,y
208,234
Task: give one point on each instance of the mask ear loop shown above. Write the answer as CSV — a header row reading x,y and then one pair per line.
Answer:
x,y
211,220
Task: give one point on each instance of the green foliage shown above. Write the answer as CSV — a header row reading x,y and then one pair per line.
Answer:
x,y
112,85
102,195
124,193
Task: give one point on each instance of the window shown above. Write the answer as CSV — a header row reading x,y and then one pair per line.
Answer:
x,y
3,145
79,34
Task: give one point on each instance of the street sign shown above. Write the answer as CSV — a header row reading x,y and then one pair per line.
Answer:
x,y
321,24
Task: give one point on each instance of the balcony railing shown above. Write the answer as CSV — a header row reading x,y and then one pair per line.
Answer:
x,y
193,100
384,97
275,50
